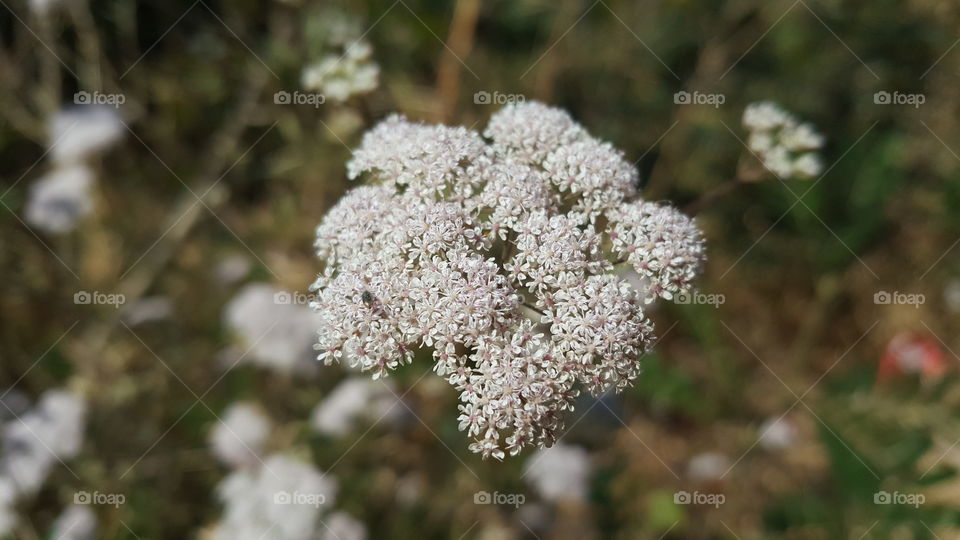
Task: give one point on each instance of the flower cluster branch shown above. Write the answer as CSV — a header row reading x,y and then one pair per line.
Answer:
x,y
495,254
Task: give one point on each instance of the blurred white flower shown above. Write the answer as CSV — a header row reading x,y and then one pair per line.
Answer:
x,y
707,466
560,473
807,166
283,499
49,433
28,470
240,435
79,132
492,256
785,146
352,400
764,116
60,199
75,523
342,526
278,331
338,77
8,515
777,433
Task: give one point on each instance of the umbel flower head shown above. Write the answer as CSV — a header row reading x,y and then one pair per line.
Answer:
x,y
786,147
496,256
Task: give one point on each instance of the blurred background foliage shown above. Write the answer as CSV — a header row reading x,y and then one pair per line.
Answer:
x,y
798,262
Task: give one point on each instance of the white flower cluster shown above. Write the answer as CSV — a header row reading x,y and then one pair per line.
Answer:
x,y
33,444
497,257
276,496
48,434
277,330
239,437
8,498
351,401
75,523
63,196
786,147
283,499
560,473
338,77
639,234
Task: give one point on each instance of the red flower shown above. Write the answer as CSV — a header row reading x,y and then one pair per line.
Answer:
x,y
912,353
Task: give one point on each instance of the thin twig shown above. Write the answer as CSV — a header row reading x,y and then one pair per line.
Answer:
x,y
528,306
459,42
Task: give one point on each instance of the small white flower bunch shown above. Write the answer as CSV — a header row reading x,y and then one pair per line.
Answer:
x,y
34,444
75,523
351,401
338,77
284,499
497,258
786,147
60,199
560,473
45,436
277,330
239,438
277,495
